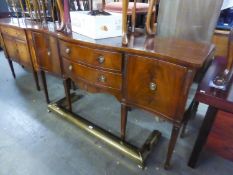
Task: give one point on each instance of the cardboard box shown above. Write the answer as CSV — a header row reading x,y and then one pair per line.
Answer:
x,y
96,27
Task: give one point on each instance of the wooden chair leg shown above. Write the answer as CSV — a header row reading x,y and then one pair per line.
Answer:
x,y
124,113
11,67
36,80
43,77
66,83
172,143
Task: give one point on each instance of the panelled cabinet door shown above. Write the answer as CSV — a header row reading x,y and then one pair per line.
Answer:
x,y
46,52
155,85
10,46
23,53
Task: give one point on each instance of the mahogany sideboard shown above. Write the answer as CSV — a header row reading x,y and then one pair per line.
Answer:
x,y
151,73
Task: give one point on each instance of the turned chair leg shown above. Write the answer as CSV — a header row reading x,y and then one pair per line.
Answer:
x,y
172,143
43,77
11,67
67,83
36,80
124,113
191,113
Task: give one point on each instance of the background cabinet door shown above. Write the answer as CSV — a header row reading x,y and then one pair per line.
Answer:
x,y
46,52
155,85
10,46
23,53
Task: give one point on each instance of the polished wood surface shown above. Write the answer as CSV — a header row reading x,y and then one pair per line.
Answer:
x,y
220,138
47,52
168,79
220,99
102,59
152,73
216,99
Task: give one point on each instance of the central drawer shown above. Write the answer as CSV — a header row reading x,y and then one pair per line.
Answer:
x,y
91,75
93,57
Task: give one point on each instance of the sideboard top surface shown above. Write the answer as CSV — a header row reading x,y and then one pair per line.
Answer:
x,y
183,52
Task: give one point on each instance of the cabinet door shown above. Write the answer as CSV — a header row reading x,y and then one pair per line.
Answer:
x,y
10,47
23,53
155,85
46,52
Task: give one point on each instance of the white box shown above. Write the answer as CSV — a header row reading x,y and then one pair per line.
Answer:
x,y
96,27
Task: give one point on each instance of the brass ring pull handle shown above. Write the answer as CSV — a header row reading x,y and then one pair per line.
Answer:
x,y
70,67
102,79
149,24
101,59
49,53
152,86
68,50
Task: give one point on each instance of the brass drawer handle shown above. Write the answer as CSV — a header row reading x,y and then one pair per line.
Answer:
x,y
70,67
153,86
67,50
102,79
101,59
49,53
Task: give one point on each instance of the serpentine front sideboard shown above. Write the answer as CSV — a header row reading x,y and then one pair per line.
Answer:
x,y
151,73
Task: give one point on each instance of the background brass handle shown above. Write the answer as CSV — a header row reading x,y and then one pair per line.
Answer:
x,y
70,67
100,59
49,53
153,86
67,50
102,79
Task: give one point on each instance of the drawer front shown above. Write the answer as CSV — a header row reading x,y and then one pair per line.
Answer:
x,y
18,33
155,85
93,57
91,75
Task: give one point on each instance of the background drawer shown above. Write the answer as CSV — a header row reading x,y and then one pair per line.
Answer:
x,y
93,76
18,33
93,57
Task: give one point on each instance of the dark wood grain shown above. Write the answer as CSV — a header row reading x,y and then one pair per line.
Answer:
x,y
111,60
220,138
47,53
169,80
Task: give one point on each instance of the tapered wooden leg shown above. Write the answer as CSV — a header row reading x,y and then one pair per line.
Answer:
x,y
190,113
73,85
203,135
124,113
66,83
36,80
43,77
11,67
172,143
195,108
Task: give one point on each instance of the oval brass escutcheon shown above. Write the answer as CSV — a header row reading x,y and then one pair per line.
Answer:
x,y
67,50
49,53
101,59
102,79
153,86
70,67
